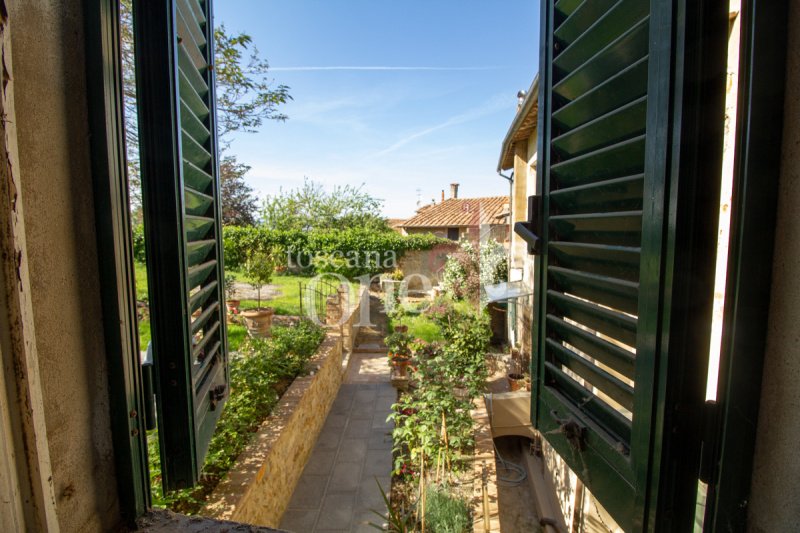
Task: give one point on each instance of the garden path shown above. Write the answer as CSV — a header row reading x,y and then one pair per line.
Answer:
x,y
338,491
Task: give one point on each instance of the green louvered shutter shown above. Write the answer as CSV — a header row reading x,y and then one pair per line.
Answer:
x,y
606,283
180,177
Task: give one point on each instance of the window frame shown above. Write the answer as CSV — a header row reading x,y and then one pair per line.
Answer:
x,y
115,255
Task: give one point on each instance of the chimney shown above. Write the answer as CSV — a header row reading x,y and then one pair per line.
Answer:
x,y
454,190
443,195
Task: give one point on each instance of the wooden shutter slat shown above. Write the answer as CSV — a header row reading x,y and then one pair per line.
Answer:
x,y
193,125
199,298
580,20
607,28
197,203
199,273
198,228
615,229
193,18
186,39
610,292
609,354
199,250
192,98
201,321
194,151
191,72
201,368
616,325
622,159
566,7
610,385
618,55
198,350
625,86
618,125
621,262
619,194
189,27
196,178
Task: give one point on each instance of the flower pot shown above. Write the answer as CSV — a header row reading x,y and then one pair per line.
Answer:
x,y
401,362
258,321
401,328
233,306
516,381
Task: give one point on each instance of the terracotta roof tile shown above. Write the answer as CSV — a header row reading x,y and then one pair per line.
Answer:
x,y
459,212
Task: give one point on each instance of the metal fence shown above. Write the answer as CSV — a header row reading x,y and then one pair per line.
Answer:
x,y
314,296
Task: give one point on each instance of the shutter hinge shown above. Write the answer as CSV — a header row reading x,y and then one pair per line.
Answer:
x,y
530,230
708,447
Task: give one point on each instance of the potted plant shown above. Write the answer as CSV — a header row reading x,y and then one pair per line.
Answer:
x,y
230,292
516,379
399,346
259,268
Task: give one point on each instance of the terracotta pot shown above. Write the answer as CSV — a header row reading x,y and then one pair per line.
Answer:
x,y
401,364
516,381
258,321
401,328
233,306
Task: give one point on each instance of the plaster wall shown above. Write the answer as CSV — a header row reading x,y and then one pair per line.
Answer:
x,y
52,135
775,504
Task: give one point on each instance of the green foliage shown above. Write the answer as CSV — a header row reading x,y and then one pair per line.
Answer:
x,y
472,267
398,343
259,268
311,207
396,520
258,373
448,375
239,204
139,253
444,511
493,263
351,252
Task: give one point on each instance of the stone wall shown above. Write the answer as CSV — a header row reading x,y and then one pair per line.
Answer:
x,y
258,488
429,263
260,485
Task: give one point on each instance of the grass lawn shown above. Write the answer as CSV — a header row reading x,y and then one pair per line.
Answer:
x,y
421,327
288,303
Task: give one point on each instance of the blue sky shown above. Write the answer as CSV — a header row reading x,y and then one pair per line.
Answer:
x,y
429,103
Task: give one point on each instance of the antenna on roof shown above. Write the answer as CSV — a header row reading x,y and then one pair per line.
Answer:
x,y
419,196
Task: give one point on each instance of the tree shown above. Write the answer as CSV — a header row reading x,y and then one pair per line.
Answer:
x,y
245,97
310,207
239,205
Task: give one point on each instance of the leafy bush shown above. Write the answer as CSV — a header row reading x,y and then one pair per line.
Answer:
x,y
256,374
138,243
449,375
445,512
467,270
351,252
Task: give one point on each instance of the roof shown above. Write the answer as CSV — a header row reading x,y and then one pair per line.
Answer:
x,y
395,222
459,212
522,127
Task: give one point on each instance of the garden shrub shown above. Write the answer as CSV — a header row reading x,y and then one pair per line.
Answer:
x,y
256,373
138,243
351,252
445,512
473,267
449,376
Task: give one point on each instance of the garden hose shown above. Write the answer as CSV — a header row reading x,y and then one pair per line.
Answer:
x,y
522,474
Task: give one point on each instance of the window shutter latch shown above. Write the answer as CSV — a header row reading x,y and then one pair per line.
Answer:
x,y
530,230
572,430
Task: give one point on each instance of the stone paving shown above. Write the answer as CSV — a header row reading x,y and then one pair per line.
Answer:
x,y
338,489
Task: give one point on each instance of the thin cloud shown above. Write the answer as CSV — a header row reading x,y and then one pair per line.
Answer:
x,y
381,67
492,106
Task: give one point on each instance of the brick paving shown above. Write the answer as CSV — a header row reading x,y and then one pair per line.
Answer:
x,y
338,491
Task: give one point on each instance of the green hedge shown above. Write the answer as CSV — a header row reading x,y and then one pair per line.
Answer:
x,y
351,252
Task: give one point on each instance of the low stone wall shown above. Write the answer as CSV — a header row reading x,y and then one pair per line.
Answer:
x,y
258,488
429,263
